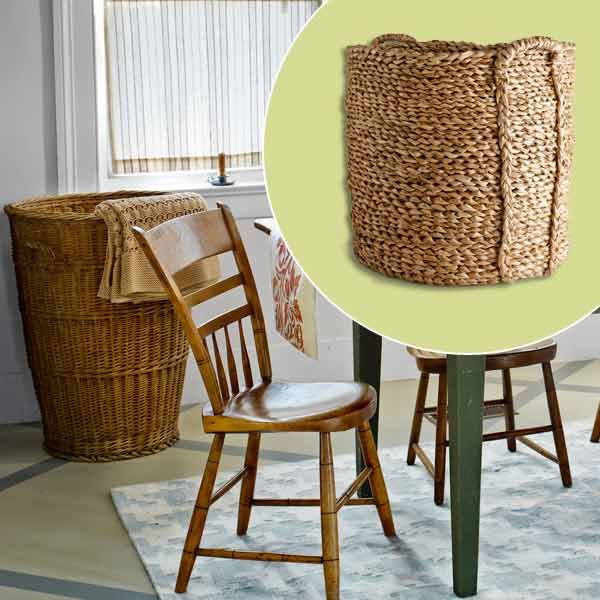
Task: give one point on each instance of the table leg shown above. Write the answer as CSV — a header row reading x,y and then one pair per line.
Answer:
x,y
367,369
465,413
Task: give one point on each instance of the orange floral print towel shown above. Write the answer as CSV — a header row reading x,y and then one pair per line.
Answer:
x,y
294,300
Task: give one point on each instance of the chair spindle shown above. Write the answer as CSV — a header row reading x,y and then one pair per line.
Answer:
x,y
245,358
231,366
220,371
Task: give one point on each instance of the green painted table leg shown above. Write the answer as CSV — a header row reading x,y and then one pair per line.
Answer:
x,y
367,369
465,413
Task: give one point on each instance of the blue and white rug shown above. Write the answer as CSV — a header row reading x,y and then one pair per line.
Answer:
x,y
539,541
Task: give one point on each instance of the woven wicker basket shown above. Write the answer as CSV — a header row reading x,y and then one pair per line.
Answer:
x,y
108,377
459,158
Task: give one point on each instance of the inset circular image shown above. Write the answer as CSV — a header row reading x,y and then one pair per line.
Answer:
x,y
432,188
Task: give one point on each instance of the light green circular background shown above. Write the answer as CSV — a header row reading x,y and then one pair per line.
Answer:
x,y
305,171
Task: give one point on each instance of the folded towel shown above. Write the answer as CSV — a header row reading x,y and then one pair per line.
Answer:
x,y
128,276
294,299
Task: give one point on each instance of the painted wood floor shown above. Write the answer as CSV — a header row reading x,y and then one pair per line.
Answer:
x,y
61,537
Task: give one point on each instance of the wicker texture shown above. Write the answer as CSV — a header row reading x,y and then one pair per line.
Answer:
x,y
459,158
108,377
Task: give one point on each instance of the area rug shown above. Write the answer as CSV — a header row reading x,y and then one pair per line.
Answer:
x,y
539,541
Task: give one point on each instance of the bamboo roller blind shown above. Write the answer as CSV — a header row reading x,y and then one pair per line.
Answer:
x,y
188,79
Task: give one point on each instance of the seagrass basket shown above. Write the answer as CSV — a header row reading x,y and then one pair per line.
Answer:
x,y
459,158
108,377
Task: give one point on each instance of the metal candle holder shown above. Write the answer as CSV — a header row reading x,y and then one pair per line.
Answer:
x,y
221,179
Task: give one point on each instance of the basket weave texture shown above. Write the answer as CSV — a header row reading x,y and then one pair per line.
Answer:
x,y
108,377
459,158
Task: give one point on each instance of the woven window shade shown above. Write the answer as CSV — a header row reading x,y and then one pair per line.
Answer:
x,y
189,79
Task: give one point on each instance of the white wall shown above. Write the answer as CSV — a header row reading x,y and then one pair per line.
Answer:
x,y
28,166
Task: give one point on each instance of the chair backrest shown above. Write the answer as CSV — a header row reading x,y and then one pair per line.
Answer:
x,y
176,244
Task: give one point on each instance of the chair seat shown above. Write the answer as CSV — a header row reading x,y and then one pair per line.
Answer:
x,y
286,406
540,352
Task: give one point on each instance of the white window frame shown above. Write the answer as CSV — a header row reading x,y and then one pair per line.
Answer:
x,y
82,121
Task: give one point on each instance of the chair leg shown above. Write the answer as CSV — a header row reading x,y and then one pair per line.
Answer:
x,y
557,429
509,408
329,524
439,478
247,491
596,431
415,432
198,520
376,479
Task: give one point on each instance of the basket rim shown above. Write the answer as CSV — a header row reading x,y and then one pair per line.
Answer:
x,y
388,43
30,207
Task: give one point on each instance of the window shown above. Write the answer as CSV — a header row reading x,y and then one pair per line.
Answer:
x,y
188,79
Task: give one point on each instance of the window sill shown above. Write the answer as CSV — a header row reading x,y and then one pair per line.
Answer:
x,y
237,189
247,199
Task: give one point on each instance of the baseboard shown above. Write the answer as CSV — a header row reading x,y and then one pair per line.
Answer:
x,y
18,403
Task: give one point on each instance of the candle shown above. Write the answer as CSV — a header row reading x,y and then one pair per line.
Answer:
x,y
222,164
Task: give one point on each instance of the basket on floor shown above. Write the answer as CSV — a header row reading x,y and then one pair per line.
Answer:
x,y
108,377
459,158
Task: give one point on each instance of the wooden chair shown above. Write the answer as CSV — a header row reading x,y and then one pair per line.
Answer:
x,y
432,363
239,405
595,437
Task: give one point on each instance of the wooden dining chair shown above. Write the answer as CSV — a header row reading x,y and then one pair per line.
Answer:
x,y
429,363
239,404
595,437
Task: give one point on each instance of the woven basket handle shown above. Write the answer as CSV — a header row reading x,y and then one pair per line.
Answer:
x,y
391,39
40,249
502,65
510,51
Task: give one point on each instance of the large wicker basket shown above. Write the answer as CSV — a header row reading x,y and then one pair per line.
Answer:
x,y
459,158
108,377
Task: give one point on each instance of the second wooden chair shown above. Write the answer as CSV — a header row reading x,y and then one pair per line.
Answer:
x,y
595,437
434,363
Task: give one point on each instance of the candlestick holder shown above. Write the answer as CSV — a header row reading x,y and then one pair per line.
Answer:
x,y
221,178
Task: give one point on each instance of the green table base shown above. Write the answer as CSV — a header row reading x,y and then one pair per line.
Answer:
x,y
367,369
465,411
465,414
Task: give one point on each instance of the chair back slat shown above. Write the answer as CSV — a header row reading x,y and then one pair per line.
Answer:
x,y
189,239
247,369
220,370
216,289
231,366
174,245
221,321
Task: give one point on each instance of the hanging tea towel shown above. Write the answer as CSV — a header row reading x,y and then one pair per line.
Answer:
x,y
128,276
294,299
